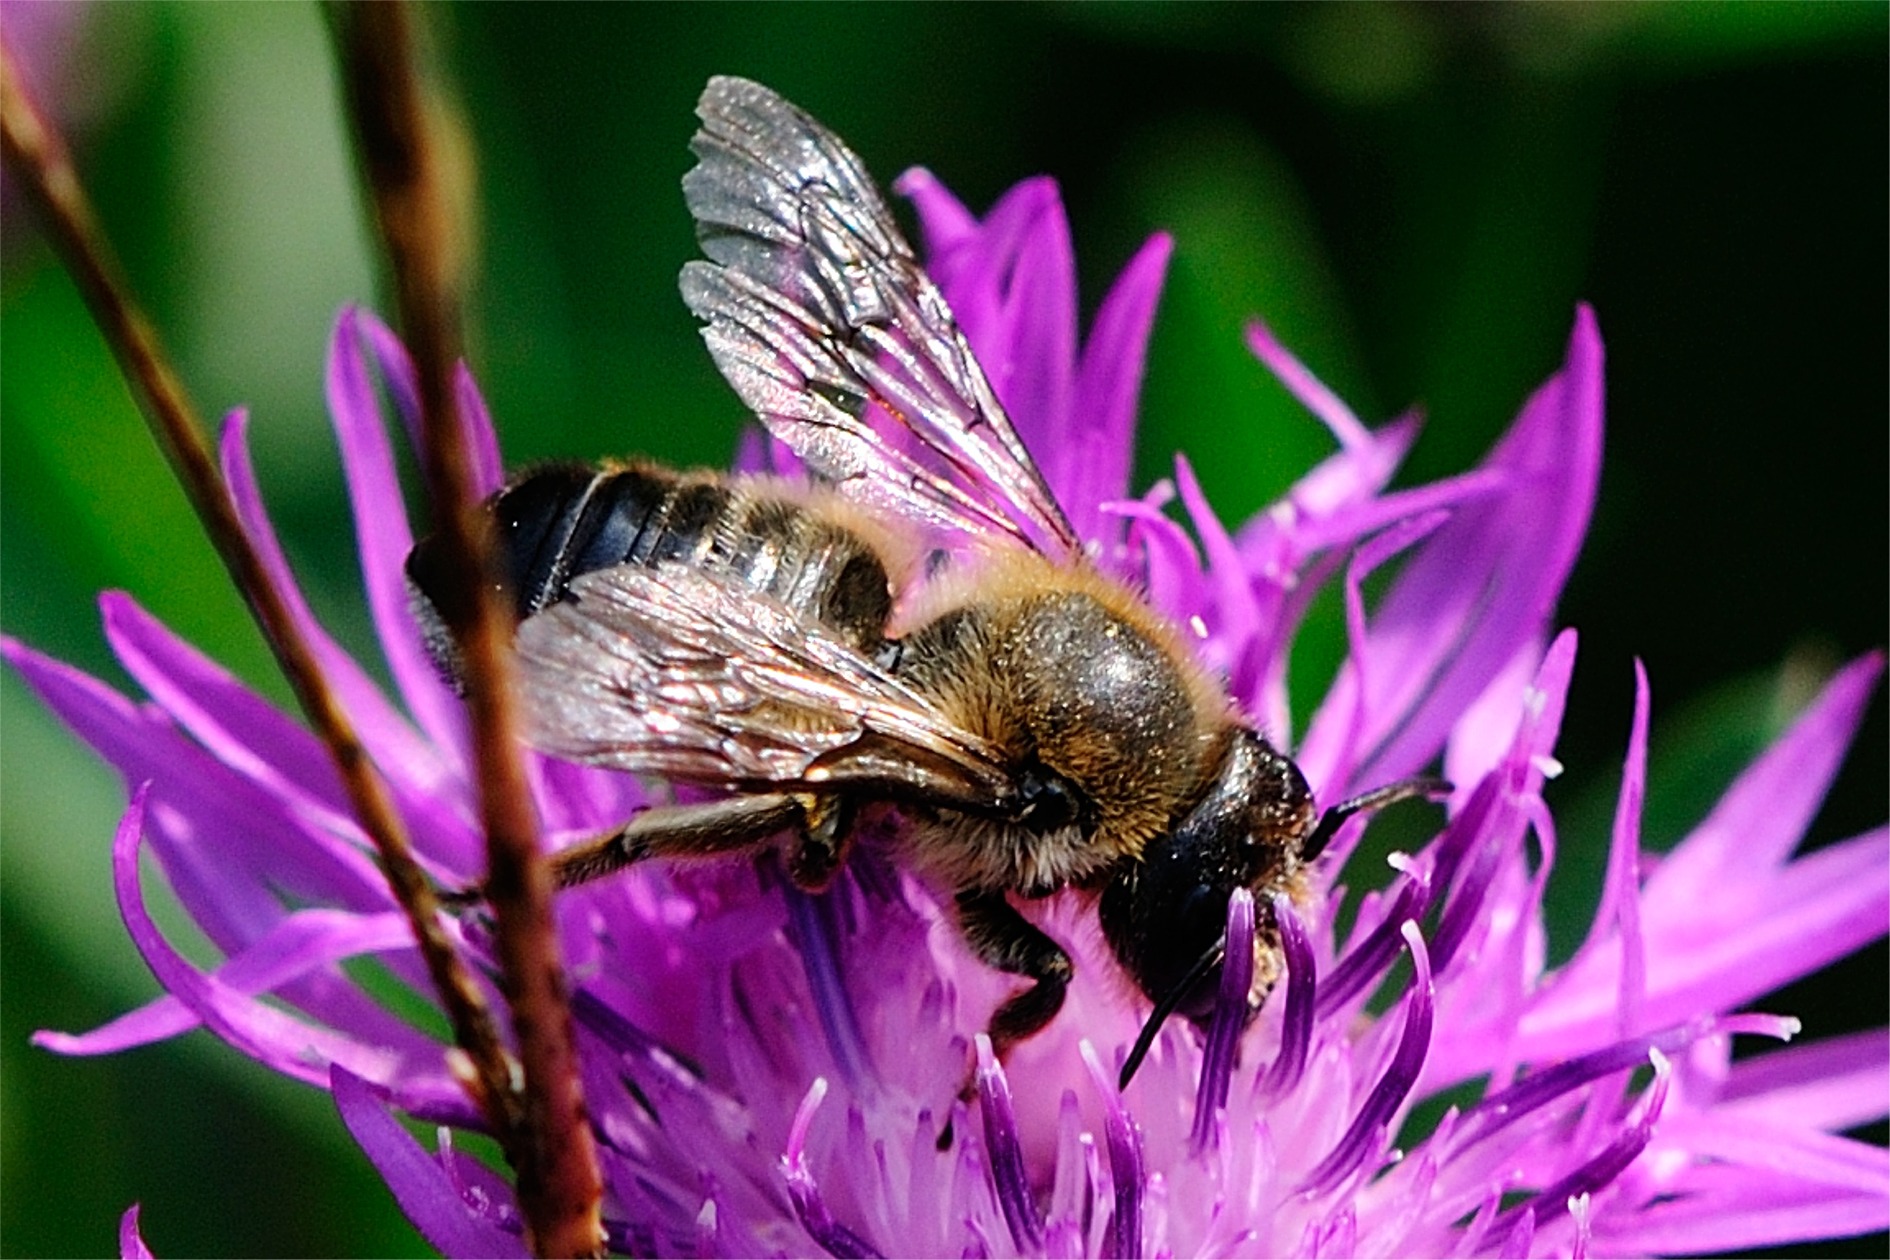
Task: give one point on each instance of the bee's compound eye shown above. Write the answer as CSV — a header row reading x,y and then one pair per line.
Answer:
x,y
1050,801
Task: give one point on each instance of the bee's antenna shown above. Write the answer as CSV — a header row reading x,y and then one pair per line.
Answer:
x,y
1424,786
1145,1040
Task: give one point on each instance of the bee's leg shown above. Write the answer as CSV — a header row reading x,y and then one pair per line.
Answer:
x,y
826,835
1005,939
679,831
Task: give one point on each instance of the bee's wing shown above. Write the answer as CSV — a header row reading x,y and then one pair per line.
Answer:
x,y
689,675
822,319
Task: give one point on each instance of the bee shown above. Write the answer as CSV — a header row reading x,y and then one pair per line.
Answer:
x,y
798,645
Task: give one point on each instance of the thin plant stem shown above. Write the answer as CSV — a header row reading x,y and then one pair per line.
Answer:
x,y
35,153
397,132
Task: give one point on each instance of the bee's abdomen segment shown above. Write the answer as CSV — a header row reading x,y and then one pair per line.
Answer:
x,y
815,566
563,521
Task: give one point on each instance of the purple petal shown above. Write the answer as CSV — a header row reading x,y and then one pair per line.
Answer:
x,y
835,1238
1160,558
1330,753
1490,826
1238,617
581,799
130,1241
1464,908
1543,701
403,383
1604,1167
1036,379
1307,388
1763,815
224,843
1010,280
1787,1151
1344,492
1351,481
232,852
424,1189
267,1034
1230,1019
1727,951
1470,1240
1371,952
815,934
1063,1214
1297,1021
237,726
397,369
383,538
247,733
1749,1214
944,223
1373,1121
1328,510
1486,731
751,450
1560,1079
387,736
1486,583
1099,441
1521,1233
1339,502
482,439
305,942
1832,1084
976,275
1126,1165
1622,900
1487,996
1008,1170
1719,930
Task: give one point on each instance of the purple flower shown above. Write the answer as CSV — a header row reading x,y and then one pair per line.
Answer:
x,y
769,1072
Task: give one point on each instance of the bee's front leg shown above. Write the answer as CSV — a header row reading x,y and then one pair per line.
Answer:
x,y
1003,938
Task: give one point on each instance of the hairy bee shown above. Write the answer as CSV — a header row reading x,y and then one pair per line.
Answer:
x,y
794,644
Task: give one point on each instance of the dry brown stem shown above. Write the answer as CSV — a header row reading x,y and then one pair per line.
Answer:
x,y
35,154
397,130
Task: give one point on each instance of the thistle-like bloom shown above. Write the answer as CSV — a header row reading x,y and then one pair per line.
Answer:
x,y
772,1073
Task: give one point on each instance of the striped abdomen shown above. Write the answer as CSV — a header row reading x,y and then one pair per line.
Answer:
x,y
560,522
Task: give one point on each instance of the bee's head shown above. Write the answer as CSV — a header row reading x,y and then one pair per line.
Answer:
x,y
1164,915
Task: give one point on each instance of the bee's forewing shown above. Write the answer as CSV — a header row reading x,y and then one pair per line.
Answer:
x,y
820,316
691,675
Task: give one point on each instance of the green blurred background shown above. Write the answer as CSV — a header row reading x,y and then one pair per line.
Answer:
x,y
1414,196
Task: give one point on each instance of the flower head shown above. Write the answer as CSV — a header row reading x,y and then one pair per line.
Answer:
x,y
772,1072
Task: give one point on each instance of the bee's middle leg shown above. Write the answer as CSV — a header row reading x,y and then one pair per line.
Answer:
x,y
681,831
822,842
1003,938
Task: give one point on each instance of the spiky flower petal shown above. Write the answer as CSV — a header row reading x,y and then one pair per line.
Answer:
x,y
769,1072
